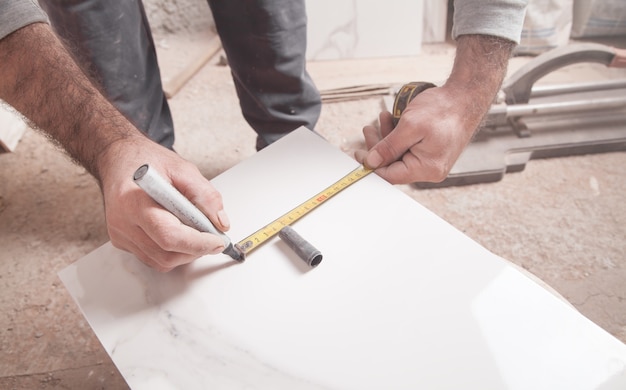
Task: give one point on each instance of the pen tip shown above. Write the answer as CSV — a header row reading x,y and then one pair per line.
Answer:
x,y
235,253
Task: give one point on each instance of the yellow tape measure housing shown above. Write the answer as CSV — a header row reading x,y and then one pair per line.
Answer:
x,y
268,231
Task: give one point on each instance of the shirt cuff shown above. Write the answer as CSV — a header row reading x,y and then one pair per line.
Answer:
x,y
504,19
16,14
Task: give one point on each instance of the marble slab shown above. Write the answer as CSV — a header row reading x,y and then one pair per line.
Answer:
x,y
401,299
347,29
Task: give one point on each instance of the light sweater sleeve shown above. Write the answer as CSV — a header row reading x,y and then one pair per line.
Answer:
x,y
15,14
501,18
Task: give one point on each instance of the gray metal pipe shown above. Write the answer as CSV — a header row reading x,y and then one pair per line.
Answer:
x,y
307,252
499,113
560,89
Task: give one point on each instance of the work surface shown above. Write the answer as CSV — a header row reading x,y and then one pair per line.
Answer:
x,y
401,300
562,219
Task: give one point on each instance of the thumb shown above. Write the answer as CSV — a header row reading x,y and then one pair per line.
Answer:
x,y
391,147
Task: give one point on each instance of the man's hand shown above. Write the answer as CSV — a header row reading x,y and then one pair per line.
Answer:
x,y
138,224
438,123
431,134
40,79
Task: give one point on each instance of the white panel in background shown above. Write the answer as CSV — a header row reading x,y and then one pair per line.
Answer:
x,y
345,29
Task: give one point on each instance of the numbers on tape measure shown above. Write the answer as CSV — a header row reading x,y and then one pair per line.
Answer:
x,y
268,231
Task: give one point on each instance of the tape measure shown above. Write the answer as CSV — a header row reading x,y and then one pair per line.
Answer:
x,y
268,231
405,94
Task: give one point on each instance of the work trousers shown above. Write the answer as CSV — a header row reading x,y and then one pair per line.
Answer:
x,y
264,41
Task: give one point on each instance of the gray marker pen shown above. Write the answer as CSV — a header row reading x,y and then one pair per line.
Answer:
x,y
164,193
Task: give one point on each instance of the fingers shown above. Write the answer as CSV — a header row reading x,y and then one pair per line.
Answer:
x,y
171,235
386,123
423,147
415,166
203,195
137,224
373,136
394,144
161,241
387,146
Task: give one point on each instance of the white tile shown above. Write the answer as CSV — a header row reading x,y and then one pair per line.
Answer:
x,y
401,300
345,29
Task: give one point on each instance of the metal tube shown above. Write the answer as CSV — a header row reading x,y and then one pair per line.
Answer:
x,y
302,247
518,110
551,90
498,113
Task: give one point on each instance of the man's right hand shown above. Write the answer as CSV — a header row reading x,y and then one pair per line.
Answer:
x,y
39,78
137,224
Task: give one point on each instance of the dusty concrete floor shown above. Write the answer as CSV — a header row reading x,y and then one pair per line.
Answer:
x,y
561,219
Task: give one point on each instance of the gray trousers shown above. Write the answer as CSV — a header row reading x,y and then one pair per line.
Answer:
x,y
264,40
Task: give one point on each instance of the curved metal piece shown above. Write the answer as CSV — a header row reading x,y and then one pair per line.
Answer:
x,y
517,88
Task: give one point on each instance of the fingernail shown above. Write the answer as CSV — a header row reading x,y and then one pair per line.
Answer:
x,y
373,160
223,218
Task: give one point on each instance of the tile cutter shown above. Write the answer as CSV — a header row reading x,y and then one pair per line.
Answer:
x,y
528,121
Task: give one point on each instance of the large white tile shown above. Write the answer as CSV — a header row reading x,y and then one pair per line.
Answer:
x,y
401,300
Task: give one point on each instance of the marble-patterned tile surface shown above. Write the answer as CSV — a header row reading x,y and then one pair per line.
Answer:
x,y
401,299
345,29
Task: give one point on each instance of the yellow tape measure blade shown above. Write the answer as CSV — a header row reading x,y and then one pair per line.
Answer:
x,y
270,230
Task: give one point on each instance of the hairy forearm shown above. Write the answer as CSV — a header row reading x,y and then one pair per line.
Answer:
x,y
479,68
40,80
